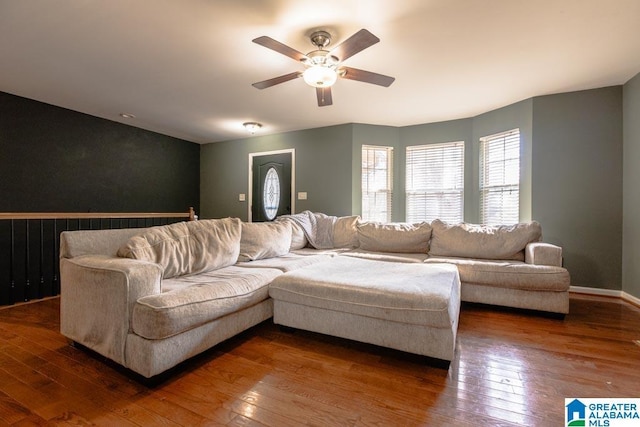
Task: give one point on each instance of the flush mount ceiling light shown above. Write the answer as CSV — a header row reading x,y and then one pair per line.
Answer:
x,y
252,127
127,116
323,67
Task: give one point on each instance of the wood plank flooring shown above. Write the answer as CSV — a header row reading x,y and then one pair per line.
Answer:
x,y
512,367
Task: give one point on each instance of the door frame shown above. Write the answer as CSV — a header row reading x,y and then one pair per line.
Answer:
x,y
291,151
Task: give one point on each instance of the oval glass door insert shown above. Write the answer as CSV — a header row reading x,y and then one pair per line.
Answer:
x,y
271,194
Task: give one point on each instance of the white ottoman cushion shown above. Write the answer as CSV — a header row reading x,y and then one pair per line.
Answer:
x,y
333,296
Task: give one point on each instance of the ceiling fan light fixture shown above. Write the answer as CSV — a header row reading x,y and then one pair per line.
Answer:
x,y
320,76
252,127
323,67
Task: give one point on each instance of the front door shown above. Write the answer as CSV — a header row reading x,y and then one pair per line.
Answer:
x,y
271,186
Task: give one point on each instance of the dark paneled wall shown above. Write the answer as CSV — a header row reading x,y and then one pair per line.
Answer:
x,y
54,159
57,160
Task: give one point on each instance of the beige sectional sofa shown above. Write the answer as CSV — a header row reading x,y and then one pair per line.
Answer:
x,y
151,298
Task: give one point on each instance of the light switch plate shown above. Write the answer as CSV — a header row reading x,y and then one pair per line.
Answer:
x,y
242,197
302,195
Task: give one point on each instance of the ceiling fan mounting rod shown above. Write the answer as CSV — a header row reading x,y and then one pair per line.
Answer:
x,y
320,39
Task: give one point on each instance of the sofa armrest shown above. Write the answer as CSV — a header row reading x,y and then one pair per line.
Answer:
x,y
97,295
540,253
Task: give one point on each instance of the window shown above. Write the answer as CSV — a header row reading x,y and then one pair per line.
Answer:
x,y
500,178
377,180
435,182
271,194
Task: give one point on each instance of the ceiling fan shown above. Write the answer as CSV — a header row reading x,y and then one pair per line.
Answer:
x,y
323,67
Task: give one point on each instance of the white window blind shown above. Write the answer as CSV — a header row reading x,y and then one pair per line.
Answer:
x,y
500,178
377,182
435,182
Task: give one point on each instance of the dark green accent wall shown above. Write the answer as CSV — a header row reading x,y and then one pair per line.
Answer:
x,y
53,159
631,189
57,160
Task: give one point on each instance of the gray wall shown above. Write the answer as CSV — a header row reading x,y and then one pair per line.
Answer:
x,y
571,171
631,191
323,169
577,181
470,131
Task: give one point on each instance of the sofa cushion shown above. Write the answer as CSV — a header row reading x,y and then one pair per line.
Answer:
x,y
190,301
414,293
288,262
503,242
345,231
187,247
264,240
386,256
298,238
394,237
509,274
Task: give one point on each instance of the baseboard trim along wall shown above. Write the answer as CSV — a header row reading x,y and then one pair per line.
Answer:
x,y
606,293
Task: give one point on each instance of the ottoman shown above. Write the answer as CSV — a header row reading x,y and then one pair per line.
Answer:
x,y
412,307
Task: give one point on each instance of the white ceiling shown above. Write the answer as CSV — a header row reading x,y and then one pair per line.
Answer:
x,y
184,68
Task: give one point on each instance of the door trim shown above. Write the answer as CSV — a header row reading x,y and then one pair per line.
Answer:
x,y
291,151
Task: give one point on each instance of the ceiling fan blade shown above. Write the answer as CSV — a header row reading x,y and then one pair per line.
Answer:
x,y
277,80
354,44
366,76
324,96
272,44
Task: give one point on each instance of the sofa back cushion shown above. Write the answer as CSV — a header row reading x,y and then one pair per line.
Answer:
x,y
264,240
187,247
298,238
95,242
505,242
394,237
345,231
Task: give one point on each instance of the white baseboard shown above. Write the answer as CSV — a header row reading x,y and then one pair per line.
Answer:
x,y
631,299
595,291
606,293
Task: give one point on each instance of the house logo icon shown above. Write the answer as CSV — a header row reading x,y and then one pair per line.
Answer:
x,y
576,413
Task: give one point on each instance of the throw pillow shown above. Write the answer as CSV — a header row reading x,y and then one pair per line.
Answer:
x,y
394,237
187,247
264,240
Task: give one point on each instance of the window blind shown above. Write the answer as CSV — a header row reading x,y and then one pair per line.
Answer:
x,y
435,182
377,182
500,178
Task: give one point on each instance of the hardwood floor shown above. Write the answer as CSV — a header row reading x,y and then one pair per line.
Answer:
x,y
511,368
